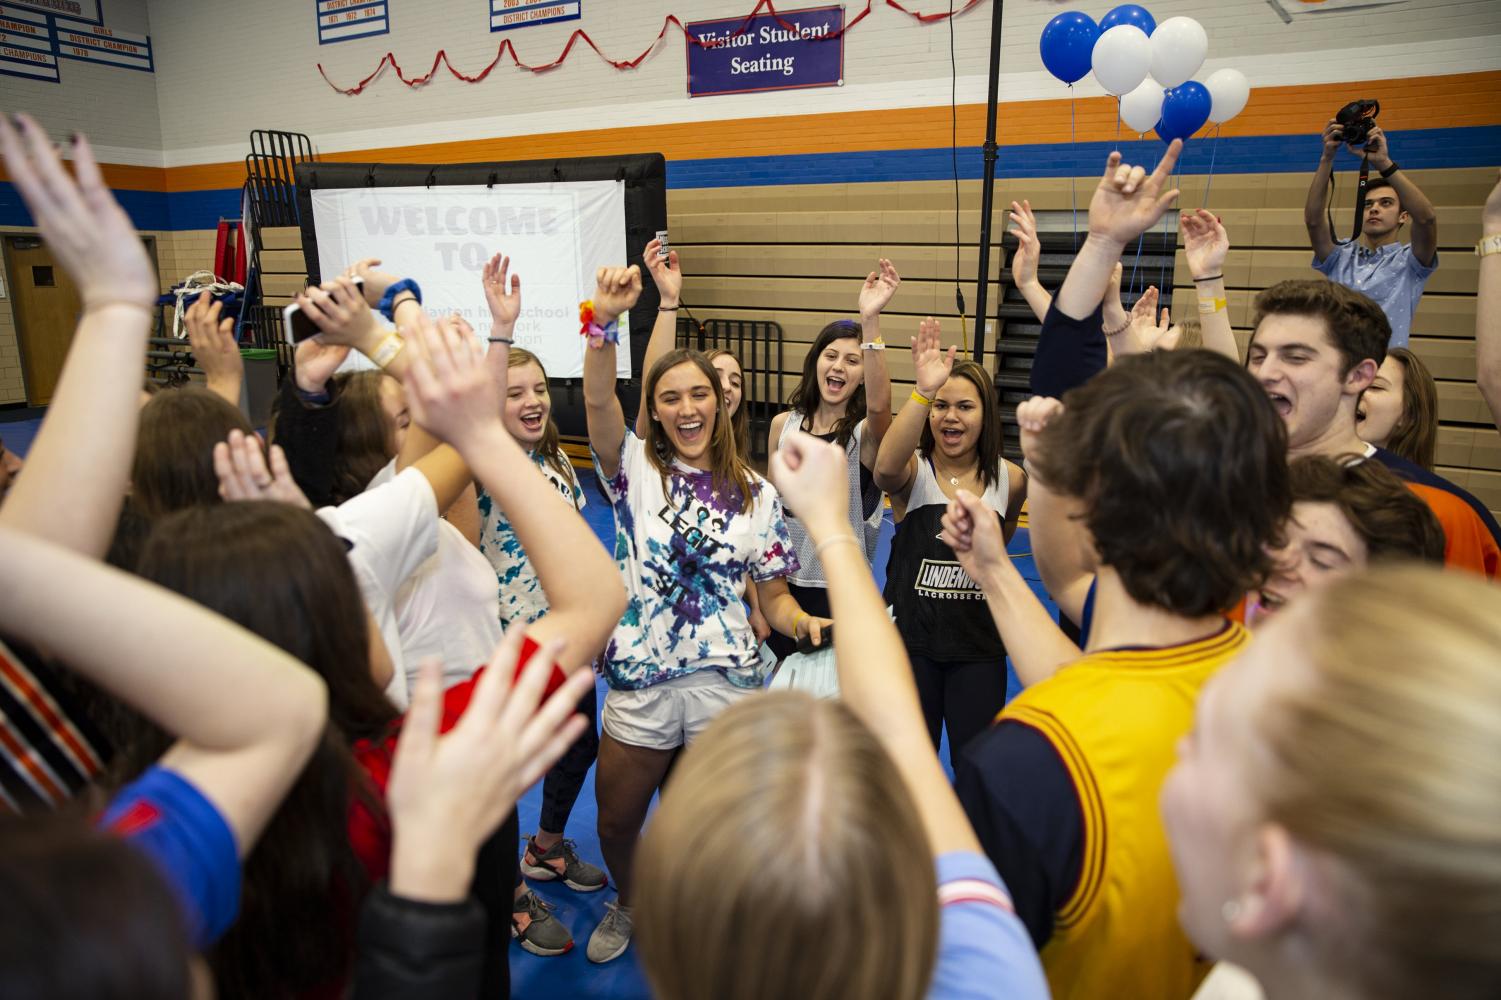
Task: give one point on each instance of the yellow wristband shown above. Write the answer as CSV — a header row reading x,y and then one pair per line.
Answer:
x,y
797,618
388,349
918,397
1208,307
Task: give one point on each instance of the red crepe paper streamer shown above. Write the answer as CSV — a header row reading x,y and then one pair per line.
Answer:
x,y
441,59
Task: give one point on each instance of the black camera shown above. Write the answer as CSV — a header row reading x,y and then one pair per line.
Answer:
x,y
1356,119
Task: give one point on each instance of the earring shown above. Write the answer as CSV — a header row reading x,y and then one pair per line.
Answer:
x,y
1231,910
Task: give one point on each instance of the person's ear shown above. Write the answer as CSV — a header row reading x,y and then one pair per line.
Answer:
x,y
1276,891
1361,377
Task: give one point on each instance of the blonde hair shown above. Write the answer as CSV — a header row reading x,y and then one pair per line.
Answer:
x,y
550,447
786,860
1386,760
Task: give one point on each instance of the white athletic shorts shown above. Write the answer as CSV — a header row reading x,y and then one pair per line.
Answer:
x,y
671,714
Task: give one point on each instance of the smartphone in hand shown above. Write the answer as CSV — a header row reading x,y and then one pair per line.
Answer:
x,y
805,643
297,324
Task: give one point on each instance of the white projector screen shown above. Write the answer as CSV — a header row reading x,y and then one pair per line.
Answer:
x,y
557,235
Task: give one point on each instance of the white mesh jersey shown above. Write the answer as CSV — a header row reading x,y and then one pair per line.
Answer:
x,y
865,508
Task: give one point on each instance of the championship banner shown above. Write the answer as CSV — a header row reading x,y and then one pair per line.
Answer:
x,y
508,14
783,51
343,20
98,44
91,11
27,45
556,234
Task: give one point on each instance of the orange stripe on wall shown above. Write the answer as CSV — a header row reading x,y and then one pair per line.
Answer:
x,y
1466,99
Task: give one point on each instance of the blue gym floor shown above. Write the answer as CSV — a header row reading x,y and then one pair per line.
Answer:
x,y
572,975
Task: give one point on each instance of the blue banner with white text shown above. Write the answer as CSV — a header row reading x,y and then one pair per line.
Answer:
x,y
787,50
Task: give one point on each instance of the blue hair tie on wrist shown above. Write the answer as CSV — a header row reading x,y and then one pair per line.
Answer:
x,y
387,300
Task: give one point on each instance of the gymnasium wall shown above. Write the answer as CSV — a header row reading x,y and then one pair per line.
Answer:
x,y
782,201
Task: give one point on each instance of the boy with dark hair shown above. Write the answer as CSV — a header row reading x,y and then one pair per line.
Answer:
x,y
1315,349
1378,264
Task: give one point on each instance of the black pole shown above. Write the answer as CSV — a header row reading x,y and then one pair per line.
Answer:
x,y
987,185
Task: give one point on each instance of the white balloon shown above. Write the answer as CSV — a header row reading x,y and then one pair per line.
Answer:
x,y
1142,107
1121,58
1229,91
1179,46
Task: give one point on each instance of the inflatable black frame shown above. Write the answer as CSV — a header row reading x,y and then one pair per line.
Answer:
x,y
645,177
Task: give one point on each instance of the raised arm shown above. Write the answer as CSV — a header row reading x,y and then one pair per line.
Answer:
x,y
875,677
896,462
616,289
880,285
668,277
1205,247
1127,202
214,348
1488,310
505,309
1033,640
1415,203
450,392
246,715
79,466
1315,214
1024,261
1059,541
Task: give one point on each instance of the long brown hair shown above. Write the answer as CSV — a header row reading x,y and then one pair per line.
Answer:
x,y
740,419
988,448
786,859
366,440
173,467
550,448
1415,437
727,463
806,396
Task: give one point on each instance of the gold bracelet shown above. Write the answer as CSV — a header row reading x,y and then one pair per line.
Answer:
x,y
1208,307
838,539
386,352
918,397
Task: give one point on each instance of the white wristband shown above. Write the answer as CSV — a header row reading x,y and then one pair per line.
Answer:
x,y
873,345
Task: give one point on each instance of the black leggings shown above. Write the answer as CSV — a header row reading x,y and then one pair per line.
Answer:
x,y
565,779
964,695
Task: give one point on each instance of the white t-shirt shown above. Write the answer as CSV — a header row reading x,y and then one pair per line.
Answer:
x,y
521,596
685,554
447,606
392,530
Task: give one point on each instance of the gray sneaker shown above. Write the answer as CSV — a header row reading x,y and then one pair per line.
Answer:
x,y
534,926
562,862
613,935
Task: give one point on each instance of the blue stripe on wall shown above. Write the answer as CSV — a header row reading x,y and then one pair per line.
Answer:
x,y
1418,149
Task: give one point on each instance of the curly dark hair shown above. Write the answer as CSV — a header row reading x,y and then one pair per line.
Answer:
x,y
1356,325
1182,467
1392,520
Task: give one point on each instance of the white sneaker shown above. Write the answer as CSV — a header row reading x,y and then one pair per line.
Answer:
x,y
613,935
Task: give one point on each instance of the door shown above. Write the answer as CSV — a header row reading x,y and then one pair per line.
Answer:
x,y
47,307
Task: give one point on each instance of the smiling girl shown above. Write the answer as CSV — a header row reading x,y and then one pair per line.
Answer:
x,y
691,522
947,438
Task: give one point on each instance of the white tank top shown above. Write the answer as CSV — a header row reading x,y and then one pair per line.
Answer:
x,y
865,508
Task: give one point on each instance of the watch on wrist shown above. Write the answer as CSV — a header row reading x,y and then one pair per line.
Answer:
x,y
1488,245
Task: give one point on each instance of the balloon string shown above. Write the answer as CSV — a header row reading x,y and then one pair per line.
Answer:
x,y
1136,264
1213,147
1072,195
1117,123
1170,252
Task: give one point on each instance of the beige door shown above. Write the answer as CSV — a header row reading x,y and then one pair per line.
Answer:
x,y
46,304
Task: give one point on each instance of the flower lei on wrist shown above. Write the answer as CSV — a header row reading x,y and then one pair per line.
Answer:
x,y
598,335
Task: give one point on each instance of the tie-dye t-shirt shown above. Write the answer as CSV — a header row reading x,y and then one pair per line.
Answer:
x,y
685,555
521,596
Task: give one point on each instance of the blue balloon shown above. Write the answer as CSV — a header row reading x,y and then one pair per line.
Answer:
x,y
1067,44
1129,13
1185,109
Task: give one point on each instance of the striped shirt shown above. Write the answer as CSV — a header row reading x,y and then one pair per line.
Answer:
x,y
48,750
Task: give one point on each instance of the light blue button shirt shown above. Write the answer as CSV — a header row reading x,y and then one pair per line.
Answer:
x,y
1390,275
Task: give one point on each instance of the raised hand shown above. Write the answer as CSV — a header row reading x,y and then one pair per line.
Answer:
x,y
315,363
448,793
1034,415
1028,249
1145,307
84,228
973,531
1114,314
505,305
1153,333
244,475
880,285
1333,138
812,477
341,315
664,272
616,289
449,390
930,363
1205,242
214,347
1375,148
1128,200
376,282
1490,216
